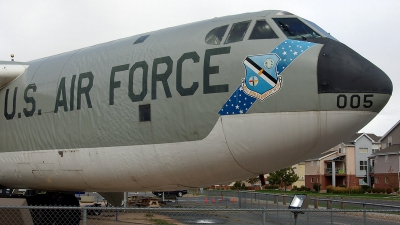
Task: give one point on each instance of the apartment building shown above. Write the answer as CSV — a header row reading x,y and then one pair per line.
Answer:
x,y
345,164
384,165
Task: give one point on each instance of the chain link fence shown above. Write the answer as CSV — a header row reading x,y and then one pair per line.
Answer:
x,y
35,215
246,199
213,207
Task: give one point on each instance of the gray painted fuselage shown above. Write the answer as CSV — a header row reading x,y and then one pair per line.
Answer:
x,y
89,98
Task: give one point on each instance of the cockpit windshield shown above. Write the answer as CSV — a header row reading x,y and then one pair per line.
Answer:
x,y
214,37
294,28
320,30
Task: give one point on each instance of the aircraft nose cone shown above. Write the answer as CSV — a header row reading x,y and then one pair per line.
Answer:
x,y
342,70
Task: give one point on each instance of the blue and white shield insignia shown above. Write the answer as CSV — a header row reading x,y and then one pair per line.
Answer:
x,y
262,79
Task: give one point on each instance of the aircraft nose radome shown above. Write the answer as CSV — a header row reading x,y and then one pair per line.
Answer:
x,y
342,70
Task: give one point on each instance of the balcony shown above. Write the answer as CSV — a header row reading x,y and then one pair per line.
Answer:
x,y
371,169
328,171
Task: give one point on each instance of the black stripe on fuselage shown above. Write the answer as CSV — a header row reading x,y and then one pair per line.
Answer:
x,y
259,68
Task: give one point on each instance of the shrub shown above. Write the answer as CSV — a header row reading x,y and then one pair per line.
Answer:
x,y
365,187
307,189
294,188
344,190
271,187
369,190
342,185
388,190
396,189
317,187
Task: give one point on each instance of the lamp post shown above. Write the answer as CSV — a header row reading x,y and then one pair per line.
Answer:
x,y
299,202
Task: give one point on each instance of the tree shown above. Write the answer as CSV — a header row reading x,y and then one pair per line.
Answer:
x,y
283,177
237,185
253,180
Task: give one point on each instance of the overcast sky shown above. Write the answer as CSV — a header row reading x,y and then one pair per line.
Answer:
x,y
35,29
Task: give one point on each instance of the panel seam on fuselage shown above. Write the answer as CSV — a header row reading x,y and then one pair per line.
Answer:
x,y
227,145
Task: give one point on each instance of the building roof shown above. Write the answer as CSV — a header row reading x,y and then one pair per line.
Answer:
x,y
323,155
391,150
357,136
391,129
336,158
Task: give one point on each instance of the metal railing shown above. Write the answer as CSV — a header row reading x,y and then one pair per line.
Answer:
x,y
338,171
253,199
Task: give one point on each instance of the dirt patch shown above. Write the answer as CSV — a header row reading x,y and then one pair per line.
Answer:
x,y
131,218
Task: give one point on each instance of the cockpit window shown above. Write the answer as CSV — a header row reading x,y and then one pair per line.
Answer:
x,y
320,30
237,32
294,28
141,39
214,37
262,31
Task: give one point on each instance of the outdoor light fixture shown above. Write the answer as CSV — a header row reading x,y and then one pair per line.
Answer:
x,y
299,202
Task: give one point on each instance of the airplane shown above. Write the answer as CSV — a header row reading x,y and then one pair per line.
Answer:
x,y
194,105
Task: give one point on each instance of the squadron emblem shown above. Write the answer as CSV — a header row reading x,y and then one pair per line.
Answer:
x,y
262,79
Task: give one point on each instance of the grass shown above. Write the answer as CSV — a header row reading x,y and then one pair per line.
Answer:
x,y
161,222
326,195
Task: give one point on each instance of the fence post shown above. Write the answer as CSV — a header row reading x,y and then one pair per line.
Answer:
x,y
240,199
365,214
316,202
342,204
226,199
329,203
331,211
251,202
263,216
275,199
284,199
245,200
277,210
84,216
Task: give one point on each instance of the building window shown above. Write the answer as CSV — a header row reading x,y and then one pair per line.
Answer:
x,y
376,181
386,180
312,163
312,180
389,141
317,163
340,150
375,150
361,182
363,150
376,158
144,113
386,158
317,180
363,165
383,145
